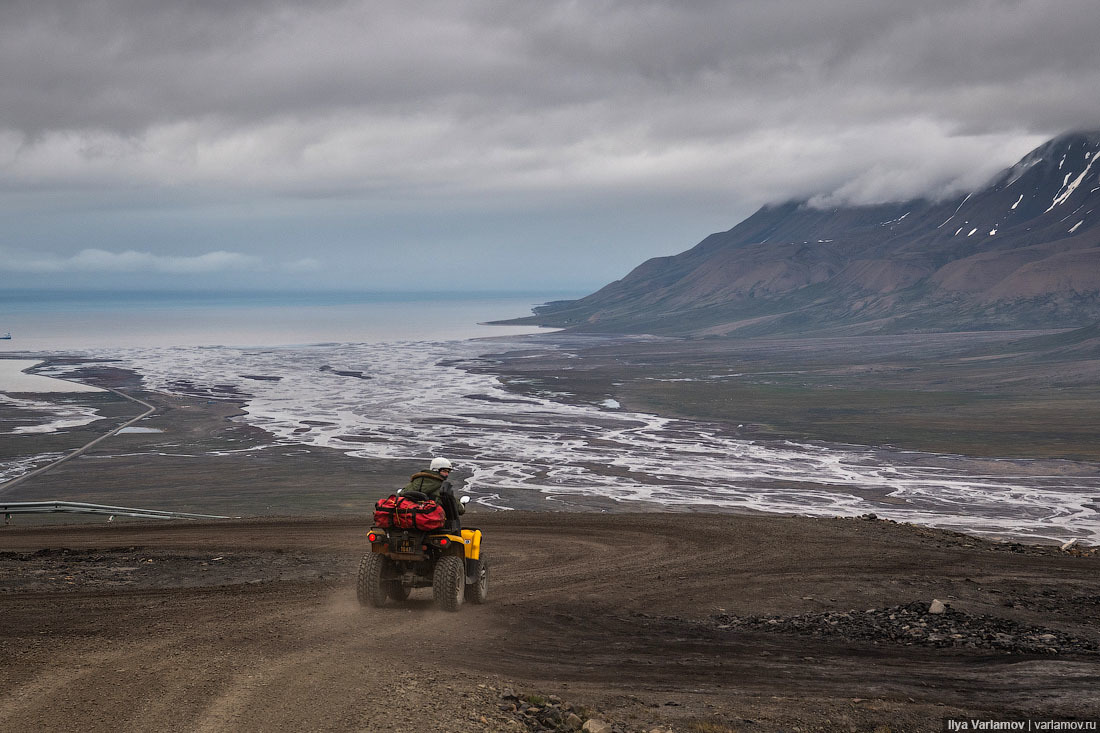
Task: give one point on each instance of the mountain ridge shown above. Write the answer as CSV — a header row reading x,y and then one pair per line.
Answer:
x,y
1021,252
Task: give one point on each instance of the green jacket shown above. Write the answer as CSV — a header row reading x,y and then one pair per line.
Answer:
x,y
426,482
430,483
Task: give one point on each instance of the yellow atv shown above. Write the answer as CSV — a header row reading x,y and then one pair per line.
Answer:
x,y
450,560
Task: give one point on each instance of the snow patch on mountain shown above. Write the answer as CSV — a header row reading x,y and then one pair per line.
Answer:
x,y
1067,191
956,210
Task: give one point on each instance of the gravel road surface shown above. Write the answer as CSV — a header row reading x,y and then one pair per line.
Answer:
x,y
643,620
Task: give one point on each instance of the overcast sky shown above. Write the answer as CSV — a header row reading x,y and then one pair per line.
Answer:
x,y
500,145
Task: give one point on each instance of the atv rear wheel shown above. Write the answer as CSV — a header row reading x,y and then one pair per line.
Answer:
x,y
478,591
448,582
371,588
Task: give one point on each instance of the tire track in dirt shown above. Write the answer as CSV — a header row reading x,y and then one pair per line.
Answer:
x,y
326,644
609,611
30,699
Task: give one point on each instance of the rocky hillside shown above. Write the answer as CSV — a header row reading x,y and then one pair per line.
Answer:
x,y
1022,252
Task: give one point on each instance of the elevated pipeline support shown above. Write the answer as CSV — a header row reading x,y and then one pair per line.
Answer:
x,y
78,507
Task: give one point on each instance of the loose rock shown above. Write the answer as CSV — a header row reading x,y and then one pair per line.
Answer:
x,y
915,624
551,713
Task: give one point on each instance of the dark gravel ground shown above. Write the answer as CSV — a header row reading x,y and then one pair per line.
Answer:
x,y
69,570
913,624
640,621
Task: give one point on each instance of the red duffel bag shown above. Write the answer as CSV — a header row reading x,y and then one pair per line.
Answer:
x,y
420,515
383,511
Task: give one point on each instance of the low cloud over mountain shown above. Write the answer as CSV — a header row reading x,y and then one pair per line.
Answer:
x,y
1020,252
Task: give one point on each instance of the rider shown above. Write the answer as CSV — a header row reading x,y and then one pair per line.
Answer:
x,y
433,481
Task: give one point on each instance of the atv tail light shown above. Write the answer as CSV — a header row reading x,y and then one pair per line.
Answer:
x,y
372,537
443,541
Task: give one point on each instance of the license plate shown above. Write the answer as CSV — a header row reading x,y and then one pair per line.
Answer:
x,y
405,546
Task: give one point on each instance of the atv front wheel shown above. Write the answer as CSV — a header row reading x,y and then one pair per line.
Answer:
x,y
478,591
448,582
371,588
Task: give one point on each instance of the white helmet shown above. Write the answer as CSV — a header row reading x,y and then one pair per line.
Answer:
x,y
438,464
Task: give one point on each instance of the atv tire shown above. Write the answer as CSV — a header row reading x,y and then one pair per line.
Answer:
x,y
449,582
371,588
478,591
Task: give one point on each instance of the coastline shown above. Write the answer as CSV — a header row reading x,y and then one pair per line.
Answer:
x,y
15,380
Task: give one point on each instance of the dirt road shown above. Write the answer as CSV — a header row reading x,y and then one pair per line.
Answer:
x,y
254,625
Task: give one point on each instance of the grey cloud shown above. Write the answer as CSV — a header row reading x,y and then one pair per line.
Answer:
x,y
123,65
466,106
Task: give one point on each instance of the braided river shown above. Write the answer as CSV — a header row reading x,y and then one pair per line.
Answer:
x,y
412,399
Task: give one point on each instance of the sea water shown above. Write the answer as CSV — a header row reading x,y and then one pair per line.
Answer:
x,y
50,321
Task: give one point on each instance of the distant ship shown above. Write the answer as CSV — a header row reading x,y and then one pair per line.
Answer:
x,y
6,336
